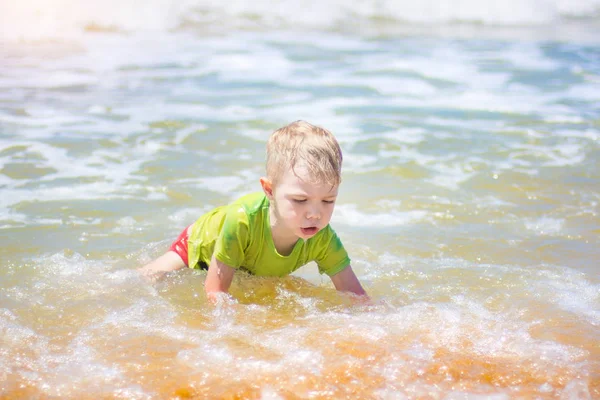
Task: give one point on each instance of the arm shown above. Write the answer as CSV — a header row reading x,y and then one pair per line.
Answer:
x,y
218,279
154,271
346,281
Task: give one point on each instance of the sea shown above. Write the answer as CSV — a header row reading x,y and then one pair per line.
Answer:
x,y
469,203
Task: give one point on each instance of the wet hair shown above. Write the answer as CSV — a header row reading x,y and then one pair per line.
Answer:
x,y
311,147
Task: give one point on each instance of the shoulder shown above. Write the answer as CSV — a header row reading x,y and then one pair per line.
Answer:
x,y
326,238
248,210
251,203
329,252
247,204
326,233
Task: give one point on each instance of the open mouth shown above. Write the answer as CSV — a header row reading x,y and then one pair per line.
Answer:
x,y
309,231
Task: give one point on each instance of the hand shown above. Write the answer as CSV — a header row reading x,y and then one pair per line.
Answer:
x,y
151,275
157,269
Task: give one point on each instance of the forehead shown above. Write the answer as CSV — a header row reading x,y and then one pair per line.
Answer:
x,y
299,181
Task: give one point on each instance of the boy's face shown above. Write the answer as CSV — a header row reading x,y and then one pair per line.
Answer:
x,y
302,209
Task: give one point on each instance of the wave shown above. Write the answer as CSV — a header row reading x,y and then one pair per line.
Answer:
x,y
41,19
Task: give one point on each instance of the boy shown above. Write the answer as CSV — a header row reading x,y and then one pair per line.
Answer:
x,y
277,231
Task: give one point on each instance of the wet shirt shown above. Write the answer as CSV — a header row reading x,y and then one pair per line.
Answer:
x,y
239,235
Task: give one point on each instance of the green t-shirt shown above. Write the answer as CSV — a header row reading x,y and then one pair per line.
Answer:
x,y
239,235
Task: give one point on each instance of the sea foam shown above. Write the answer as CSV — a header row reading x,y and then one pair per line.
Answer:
x,y
36,19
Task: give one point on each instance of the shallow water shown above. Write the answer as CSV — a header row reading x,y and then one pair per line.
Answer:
x,y
469,207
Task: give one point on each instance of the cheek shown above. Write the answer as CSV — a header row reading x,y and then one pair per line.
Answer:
x,y
327,213
289,210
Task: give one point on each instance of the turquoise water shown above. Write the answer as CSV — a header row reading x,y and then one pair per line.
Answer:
x,y
469,205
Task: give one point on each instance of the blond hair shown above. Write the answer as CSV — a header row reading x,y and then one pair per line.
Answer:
x,y
302,143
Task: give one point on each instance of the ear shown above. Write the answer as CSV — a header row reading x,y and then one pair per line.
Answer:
x,y
267,187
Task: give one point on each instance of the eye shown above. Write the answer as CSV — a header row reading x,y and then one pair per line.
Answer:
x,y
329,201
299,200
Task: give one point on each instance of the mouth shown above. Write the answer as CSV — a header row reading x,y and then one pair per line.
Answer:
x,y
309,231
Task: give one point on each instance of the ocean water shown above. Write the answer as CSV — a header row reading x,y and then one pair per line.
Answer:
x,y
469,203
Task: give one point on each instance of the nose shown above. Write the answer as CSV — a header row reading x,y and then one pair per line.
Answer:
x,y
313,212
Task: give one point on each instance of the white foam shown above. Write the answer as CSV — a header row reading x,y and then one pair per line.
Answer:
x,y
185,133
127,225
251,65
557,155
577,389
450,176
460,395
546,226
39,19
349,214
358,162
529,56
189,215
221,184
50,80
409,153
589,92
268,393
38,117
398,86
409,135
560,287
569,290
405,338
